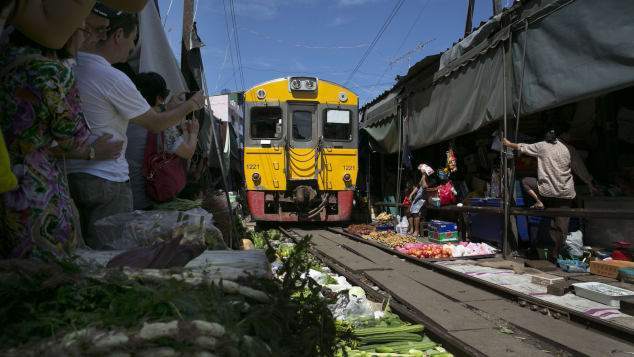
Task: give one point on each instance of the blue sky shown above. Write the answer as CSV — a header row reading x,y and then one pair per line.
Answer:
x,y
324,38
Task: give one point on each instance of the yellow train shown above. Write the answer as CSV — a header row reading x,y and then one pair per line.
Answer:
x,y
300,151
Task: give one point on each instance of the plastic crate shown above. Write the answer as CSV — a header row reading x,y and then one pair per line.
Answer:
x,y
441,226
609,268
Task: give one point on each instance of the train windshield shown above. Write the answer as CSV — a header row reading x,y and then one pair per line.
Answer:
x,y
337,125
266,123
302,125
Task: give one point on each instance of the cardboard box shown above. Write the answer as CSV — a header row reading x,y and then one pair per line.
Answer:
x,y
609,268
546,279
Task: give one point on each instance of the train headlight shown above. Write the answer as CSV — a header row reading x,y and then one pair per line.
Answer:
x,y
347,178
256,177
302,84
261,93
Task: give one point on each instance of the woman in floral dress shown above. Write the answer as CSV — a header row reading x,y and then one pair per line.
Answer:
x,y
39,109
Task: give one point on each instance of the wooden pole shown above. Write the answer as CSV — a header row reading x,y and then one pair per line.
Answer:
x,y
497,7
469,23
188,24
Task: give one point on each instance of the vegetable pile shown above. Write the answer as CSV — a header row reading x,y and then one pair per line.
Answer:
x,y
54,309
391,239
437,251
389,336
361,229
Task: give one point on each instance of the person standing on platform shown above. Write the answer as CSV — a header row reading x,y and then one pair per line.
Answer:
x,y
554,186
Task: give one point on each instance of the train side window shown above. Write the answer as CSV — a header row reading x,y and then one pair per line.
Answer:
x,y
338,125
266,123
302,125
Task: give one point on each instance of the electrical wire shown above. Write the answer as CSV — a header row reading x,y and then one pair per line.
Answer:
x,y
400,47
237,41
167,14
233,65
378,36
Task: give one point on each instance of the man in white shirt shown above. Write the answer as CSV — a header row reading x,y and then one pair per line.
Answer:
x,y
110,101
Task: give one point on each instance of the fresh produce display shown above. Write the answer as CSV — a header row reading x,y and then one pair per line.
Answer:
x,y
438,251
426,251
361,229
391,239
385,217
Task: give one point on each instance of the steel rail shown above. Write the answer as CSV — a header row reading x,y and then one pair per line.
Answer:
x,y
619,331
433,329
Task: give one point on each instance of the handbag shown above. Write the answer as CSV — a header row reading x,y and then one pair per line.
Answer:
x,y
164,172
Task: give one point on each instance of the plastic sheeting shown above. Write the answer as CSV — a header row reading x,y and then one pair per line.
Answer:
x,y
155,54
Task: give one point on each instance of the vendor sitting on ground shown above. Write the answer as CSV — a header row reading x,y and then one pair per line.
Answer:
x,y
417,199
554,186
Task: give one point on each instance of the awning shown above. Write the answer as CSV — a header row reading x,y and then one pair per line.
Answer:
x,y
580,49
383,109
463,98
385,134
575,49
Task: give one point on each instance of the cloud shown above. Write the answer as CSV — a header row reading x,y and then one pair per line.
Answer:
x,y
338,21
354,2
267,9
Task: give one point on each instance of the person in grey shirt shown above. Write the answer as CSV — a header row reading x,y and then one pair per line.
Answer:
x,y
554,186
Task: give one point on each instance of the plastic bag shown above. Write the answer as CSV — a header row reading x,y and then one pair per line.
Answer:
x,y
574,243
174,252
143,228
349,306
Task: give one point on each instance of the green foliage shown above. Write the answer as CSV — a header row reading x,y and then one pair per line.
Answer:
x,y
307,323
40,300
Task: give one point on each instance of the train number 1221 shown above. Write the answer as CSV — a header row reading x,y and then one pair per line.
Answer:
x,y
348,167
253,166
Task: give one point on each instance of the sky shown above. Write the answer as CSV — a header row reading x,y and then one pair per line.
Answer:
x,y
322,38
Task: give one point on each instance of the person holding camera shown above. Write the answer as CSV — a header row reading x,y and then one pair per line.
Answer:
x,y
178,140
110,101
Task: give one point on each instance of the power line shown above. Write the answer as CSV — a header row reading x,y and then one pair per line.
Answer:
x,y
304,45
237,41
167,14
409,32
233,65
378,36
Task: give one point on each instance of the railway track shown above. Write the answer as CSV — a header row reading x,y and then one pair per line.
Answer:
x,y
469,317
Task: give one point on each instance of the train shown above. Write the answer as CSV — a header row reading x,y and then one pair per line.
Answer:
x,y
300,150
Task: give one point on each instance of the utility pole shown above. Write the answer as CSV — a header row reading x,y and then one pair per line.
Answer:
x,y
188,25
497,7
469,23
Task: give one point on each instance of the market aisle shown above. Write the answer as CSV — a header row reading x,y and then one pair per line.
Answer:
x,y
483,320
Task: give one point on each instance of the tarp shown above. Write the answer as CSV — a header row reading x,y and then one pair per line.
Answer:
x,y
386,135
383,109
582,49
575,49
155,53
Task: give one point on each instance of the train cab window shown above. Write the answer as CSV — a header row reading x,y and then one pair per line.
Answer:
x,y
302,125
266,123
338,125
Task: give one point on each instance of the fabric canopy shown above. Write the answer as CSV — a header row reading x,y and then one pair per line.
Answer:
x,y
383,109
580,49
575,49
